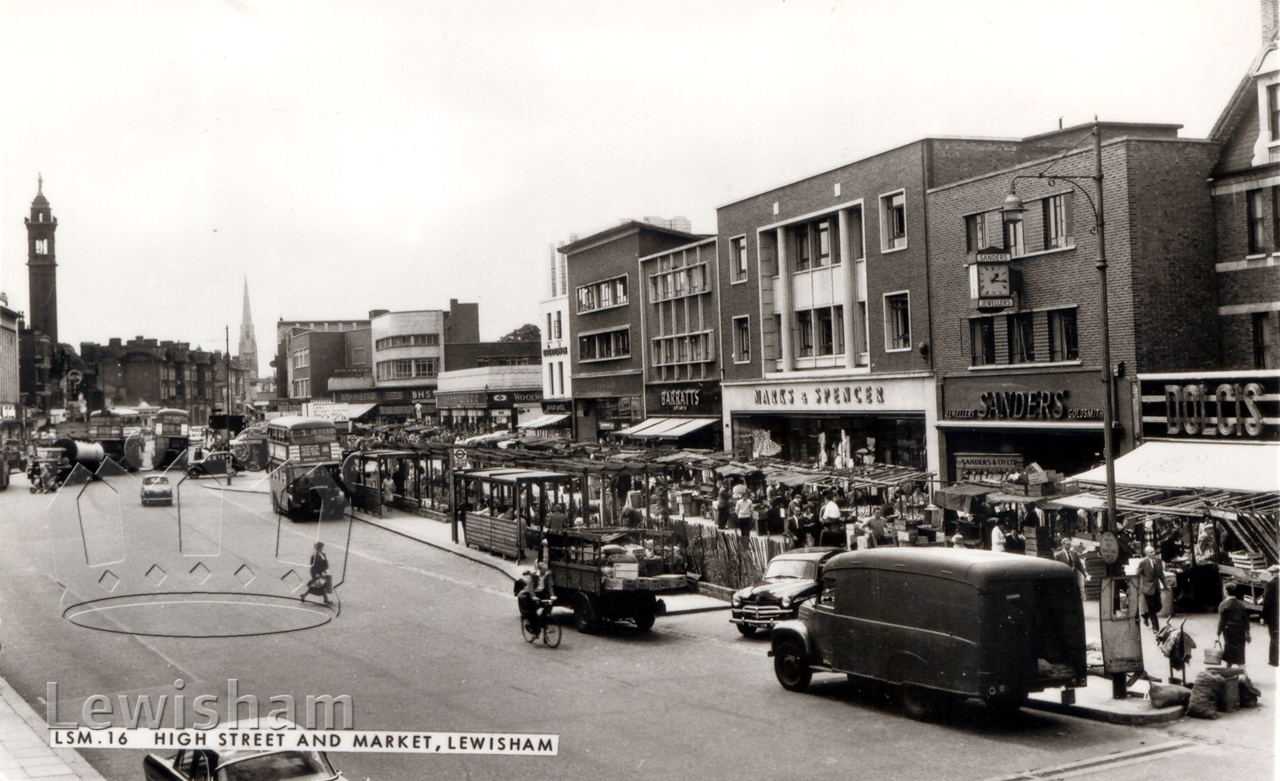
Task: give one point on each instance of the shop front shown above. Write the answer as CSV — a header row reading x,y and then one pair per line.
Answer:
x,y
484,411
552,420
687,414
394,405
839,423
606,403
992,426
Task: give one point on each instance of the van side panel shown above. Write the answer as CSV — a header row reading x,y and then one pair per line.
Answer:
x,y
857,628
931,638
1032,634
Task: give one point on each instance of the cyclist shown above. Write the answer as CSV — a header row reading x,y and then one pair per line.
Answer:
x,y
538,592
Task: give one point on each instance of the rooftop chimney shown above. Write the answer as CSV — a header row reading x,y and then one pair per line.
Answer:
x,y
1270,20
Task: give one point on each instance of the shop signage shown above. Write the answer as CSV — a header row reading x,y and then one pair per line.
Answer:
x,y
987,467
696,398
9,411
554,351
1217,406
486,399
1068,397
819,395
557,408
889,394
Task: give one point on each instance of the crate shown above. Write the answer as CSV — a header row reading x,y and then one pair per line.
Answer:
x,y
1248,560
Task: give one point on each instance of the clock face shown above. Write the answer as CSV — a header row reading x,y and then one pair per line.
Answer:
x,y
993,281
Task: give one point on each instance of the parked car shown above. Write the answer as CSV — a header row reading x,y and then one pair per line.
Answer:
x,y
156,490
219,463
208,765
939,623
789,579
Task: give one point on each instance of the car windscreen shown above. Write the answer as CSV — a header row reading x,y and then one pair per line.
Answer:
x,y
307,765
790,568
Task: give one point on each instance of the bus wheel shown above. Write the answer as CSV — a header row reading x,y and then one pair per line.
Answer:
x,y
791,667
584,613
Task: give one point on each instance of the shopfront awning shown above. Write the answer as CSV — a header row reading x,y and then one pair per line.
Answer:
x,y
340,410
960,497
1232,466
543,421
666,428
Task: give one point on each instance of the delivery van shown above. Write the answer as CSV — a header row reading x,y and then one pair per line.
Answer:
x,y
939,623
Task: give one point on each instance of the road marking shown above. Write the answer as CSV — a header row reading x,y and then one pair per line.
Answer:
x,y
419,571
1105,762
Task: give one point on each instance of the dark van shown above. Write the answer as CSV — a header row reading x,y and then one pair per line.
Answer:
x,y
939,623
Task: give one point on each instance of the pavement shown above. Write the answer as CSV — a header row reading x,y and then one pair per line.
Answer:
x,y
25,751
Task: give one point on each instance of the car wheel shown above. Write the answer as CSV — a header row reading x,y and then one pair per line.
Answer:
x,y
584,613
791,667
644,618
917,702
746,629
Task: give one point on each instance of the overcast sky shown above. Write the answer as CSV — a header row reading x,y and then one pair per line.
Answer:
x,y
348,156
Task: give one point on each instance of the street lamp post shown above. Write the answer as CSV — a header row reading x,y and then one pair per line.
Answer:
x,y
1012,211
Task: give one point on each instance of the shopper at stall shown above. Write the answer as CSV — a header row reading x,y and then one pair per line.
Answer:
x,y
743,512
1150,581
1271,615
997,537
724,507
1233,627
832,523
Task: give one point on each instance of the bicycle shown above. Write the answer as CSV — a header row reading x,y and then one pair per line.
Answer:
x,y
550,632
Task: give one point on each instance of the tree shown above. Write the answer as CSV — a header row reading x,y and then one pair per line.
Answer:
x,y
525,333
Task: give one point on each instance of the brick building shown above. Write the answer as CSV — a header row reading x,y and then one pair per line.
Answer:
x,y
161,374
825,310
606,365
1245,187
1016,316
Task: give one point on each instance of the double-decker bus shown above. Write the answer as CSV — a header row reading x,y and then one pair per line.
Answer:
x,y
106,428
171,436
304,462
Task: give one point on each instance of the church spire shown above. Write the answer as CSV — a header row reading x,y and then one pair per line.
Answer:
x,y
248,348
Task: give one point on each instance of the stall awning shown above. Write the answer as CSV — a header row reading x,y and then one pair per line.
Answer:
x,y
1233,466
666,428
543,421
960,497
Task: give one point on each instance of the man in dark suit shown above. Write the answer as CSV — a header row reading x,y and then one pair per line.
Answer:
x,y
1150,581
1072,559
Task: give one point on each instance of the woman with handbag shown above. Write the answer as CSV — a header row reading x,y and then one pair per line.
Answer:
x,y
1233,627
321,583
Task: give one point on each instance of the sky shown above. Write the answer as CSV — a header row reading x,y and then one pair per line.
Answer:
x,y
342,157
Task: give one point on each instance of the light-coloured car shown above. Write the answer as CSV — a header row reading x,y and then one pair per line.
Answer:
x,y
156,490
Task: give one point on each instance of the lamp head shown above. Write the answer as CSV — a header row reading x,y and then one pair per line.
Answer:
x,y
1012,210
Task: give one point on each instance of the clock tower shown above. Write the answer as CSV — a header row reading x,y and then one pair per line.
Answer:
x,y
42,268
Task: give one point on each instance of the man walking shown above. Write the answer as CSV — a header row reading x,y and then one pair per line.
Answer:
x,y
1150,581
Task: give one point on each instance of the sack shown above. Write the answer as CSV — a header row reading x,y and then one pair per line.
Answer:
x,y
1164,695
1213,654
1204,696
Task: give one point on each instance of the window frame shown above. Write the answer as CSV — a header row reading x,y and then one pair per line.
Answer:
x,y
1064,342
591,296
742,339
1021,334
984,328
1056,212
1255,221
615,341
893,216
739,262
890,336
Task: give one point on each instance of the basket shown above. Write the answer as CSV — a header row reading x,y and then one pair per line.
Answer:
x,y
1213,653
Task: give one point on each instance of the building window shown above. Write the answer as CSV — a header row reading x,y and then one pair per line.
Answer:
x,y
302,359
1063,345
42,246
1257,232
1013,238
358,356
804,330
1273,111
897,321
606,346
975,232
893,221
601,295
982,333
742,339
825,334
800,240
560,371
824,243
1021,338
558,325
549,332
407,340
738,258
856,238
1057,219
1264,341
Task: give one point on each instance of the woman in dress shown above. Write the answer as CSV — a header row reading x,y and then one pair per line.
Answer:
x,y
1233,627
